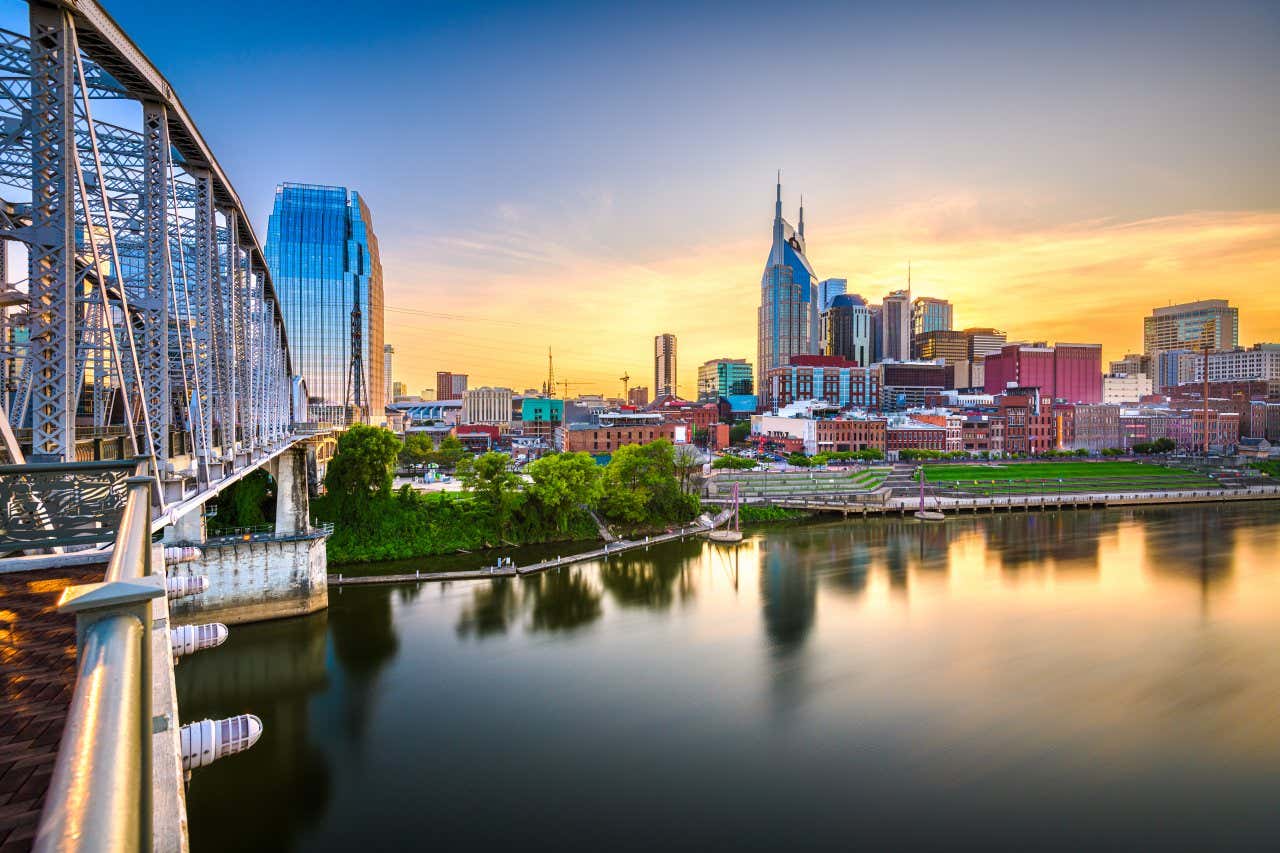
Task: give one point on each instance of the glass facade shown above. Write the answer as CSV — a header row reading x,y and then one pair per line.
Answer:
x,y
325,263
789,313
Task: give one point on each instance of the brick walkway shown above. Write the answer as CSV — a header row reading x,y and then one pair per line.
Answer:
x,y
37,678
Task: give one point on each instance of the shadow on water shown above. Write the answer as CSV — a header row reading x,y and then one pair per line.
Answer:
x,y
264,798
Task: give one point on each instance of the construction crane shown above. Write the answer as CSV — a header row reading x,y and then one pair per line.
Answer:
x,y
626,388
565,383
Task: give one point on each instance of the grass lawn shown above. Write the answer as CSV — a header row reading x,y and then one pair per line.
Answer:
x,y
1052,471
1035,477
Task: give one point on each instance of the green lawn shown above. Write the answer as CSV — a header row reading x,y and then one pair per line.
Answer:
x,y
1044,477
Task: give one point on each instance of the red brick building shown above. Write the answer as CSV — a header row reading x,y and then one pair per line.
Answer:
x,y
607,439
846,434
914,435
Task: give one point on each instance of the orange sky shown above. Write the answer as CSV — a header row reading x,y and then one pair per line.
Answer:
x,y
1089,281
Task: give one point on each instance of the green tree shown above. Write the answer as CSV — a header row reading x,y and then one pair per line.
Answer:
x,y
361,471
641,486
733,463
496,487
563,482
418,449
450,453
738,432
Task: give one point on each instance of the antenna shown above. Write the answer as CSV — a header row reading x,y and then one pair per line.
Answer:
x,y
550,388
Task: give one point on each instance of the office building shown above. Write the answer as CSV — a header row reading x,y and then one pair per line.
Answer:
x,y
388,351
487,406
1069,372
664,366
895,326
787,322
930,315
846,329
724,377
324,260
398,390
837,382
829,289
1191,325
1132,363
1125,387
638,397
450,386
1260,361
946,344
907,384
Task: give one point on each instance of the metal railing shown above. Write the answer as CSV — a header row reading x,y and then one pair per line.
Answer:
x,y
100,795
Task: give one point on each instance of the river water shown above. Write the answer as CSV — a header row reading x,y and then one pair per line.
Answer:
x,y
1095,679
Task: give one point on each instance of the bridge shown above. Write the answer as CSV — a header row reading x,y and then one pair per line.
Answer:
x,y
144,367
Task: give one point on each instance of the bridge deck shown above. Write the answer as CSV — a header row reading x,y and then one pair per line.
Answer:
x,y
37,678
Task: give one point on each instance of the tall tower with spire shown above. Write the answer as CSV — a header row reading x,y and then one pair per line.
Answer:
x,y
788,317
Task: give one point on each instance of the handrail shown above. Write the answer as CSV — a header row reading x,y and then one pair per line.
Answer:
x,y
100,794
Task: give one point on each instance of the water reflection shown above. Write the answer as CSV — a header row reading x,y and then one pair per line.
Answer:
x,y
1060,676
283,785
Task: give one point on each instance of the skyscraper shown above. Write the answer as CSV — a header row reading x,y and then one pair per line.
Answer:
x,y
724,377
324,260
895,326
387,352
787,322
846,328
449,385
930,315
1209,322
664,366
829,289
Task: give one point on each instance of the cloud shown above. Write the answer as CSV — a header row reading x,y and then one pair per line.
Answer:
x,y
1089,281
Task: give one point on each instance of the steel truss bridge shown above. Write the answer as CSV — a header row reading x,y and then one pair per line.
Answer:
x,y
146,316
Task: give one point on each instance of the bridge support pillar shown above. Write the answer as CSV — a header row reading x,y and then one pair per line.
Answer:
x,y
293,503
187,529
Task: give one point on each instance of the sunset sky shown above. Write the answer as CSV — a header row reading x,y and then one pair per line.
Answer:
x,y
585,176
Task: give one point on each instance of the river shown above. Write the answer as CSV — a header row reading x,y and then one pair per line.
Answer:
x,y
1081,679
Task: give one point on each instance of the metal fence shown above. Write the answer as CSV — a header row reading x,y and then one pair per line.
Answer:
x,y
100,795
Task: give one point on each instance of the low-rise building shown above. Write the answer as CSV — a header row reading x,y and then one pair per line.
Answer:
x,y
602,438
909,434
849,434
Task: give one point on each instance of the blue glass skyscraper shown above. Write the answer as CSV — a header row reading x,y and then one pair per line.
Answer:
x,y
327,271
789,311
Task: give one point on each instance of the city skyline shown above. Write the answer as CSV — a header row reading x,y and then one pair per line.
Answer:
x,y
1085,187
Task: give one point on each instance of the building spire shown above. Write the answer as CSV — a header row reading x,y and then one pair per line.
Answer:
x,y
801,228
777,204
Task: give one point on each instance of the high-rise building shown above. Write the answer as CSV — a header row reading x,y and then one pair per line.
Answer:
x,y
787,322
846,329
389,393
450,386
895,326
486,406
1261,362
1070,372
984,342
664,365
947,344
1191,325
930,315
638,396
398,390
724,377
828,289
324,260
876,349
1133,363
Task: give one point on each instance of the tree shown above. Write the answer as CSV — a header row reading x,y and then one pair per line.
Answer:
x,y
450,453
418,449
738,432
799,460
1163,445
362,468
733,463
640,485
563,482
490,478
